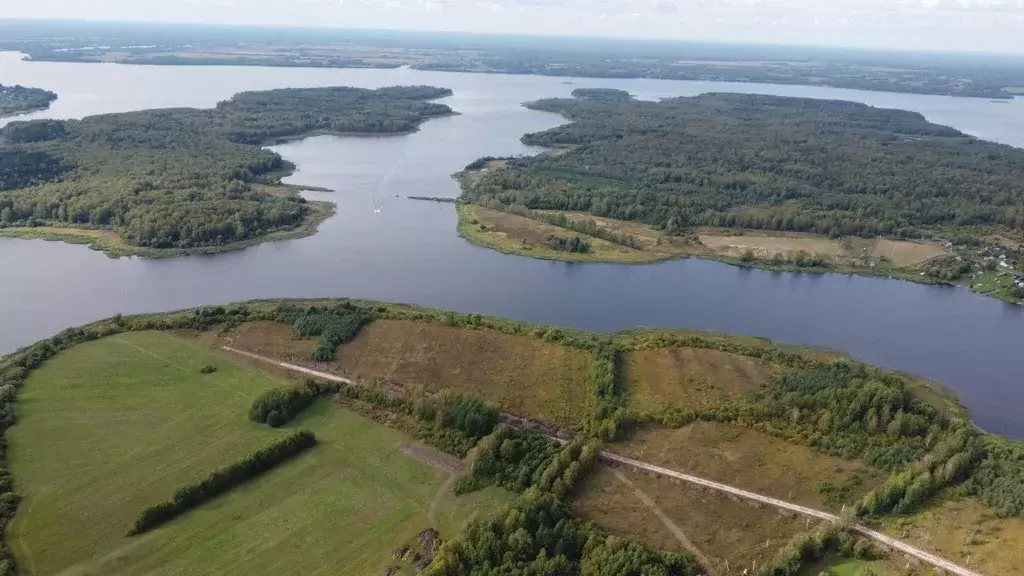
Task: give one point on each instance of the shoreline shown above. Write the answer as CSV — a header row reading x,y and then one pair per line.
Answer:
x,y
100,239
452,69
467,221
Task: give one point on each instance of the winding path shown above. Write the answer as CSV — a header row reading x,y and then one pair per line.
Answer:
x,y
891,543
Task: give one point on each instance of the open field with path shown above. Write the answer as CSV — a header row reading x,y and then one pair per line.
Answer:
x,y
517,373
113,426
518,234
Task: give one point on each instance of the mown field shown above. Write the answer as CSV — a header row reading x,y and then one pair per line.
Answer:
x,y
113,426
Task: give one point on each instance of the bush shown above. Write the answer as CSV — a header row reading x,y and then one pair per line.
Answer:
x,y
222,480
284,404
335,326
275,419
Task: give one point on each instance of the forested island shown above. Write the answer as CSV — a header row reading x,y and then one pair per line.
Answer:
x,y
19,99
767,164
175,180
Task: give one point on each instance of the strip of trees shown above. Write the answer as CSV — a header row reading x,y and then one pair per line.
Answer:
x,y
223,480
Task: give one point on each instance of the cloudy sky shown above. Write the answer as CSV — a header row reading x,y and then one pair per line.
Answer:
x,y
971,25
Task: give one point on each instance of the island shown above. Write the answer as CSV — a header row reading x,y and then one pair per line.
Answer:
x,y
181,181
300,436
17,99
784,183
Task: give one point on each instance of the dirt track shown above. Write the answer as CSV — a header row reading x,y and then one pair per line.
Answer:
x,y
890,543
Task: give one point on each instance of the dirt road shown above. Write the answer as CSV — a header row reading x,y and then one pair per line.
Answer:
x,y
890,543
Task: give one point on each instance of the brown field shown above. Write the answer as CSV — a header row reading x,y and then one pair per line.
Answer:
x,y
517,234
271,339
966,531
518,373
746,459
904,253
716,528
764,246
511,233
690,378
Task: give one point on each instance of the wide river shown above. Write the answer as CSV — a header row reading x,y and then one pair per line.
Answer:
x,y
409,252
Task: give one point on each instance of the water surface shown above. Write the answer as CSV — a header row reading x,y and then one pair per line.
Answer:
x,y
410,253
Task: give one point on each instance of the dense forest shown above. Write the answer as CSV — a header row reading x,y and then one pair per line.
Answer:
x,y
19,99
184,178
764,162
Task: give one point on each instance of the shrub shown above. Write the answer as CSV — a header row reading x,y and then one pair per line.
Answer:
x,y
287,403
275,419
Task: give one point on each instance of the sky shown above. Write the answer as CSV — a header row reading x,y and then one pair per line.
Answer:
x,y
948,25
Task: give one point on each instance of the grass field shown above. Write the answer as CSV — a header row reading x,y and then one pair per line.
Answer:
x,y
520,374
110,427
747,459
690,378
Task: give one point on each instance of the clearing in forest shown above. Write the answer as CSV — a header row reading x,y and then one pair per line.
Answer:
x,y
111,427
753,461
691,378
517,373
966,532
721,529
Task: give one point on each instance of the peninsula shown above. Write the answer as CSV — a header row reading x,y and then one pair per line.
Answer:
x,y
392,439
786,183
179,181
17,99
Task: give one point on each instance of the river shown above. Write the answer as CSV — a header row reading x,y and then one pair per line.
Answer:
x,y
409,252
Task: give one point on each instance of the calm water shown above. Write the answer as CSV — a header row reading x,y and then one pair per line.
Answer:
x,y
410,253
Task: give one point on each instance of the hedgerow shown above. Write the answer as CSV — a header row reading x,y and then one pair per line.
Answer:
x,y
223,480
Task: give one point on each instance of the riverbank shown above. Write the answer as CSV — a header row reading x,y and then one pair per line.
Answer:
x,y
111,244
639,244
693,395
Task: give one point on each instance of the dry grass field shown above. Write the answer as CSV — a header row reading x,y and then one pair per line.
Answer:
x,y
678,516
967,532
905,253
519,374
747,459
690,378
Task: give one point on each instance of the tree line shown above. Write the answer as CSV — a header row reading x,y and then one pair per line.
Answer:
x,y
764,162
223,480
186,178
